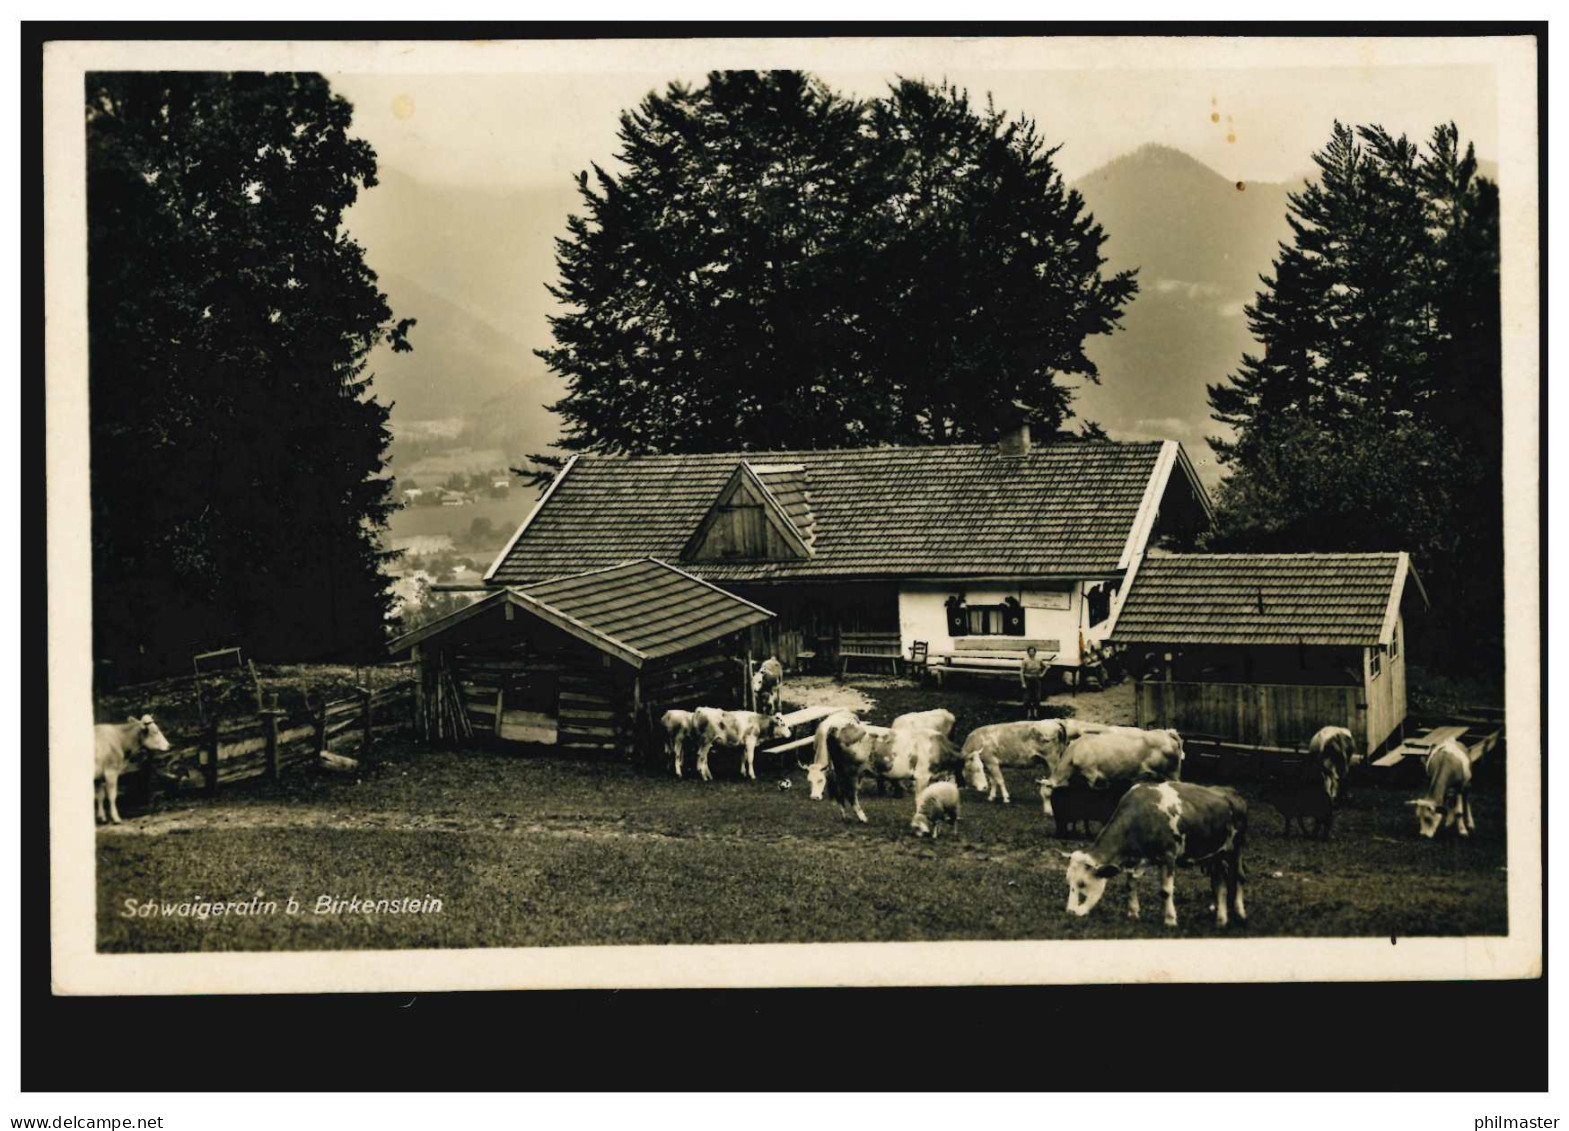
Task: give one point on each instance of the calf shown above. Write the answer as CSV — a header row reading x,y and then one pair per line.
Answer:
x,y
1077,804
1448,798
1163,824
115,746
677,725
1300,800
768,685
743,729
938,802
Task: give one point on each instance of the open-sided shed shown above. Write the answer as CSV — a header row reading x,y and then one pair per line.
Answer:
x,y
1262,650
578,660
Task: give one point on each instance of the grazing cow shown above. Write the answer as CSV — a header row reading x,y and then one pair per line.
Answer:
x,y
1448,798
848,748
744,729
1163,824
768,686
938,719
1013,744
938,802
1121,754
1300,800
821,768
115,746
678,726
1331,751
1078,804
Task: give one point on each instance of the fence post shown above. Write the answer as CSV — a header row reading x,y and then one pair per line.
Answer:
x,y
321,724
211,768
271,725
368,698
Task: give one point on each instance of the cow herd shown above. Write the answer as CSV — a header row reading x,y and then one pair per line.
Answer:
x,y
1125,779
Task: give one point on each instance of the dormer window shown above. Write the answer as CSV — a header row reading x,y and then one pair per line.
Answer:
x,y
762,514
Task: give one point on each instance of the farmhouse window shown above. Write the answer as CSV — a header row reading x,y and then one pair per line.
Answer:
x,y
1374,664
1099,600
1394,643
994,620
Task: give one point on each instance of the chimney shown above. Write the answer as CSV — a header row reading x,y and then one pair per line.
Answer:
x,y
1015,440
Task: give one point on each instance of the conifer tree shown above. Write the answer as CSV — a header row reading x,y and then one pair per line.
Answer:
x,y
1372,418
237,451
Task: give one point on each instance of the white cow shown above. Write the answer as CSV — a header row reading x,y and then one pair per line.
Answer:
x,y
1448,798
768,686
677,725
115,745
1119,755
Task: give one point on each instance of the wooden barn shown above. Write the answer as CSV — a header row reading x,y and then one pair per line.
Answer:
x,y
973,551
1261,650
582,660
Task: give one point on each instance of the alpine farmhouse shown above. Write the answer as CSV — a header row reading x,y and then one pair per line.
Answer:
x,y
944,550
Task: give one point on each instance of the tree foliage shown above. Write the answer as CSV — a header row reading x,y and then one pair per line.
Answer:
x,y
781,266
1372,420
236,450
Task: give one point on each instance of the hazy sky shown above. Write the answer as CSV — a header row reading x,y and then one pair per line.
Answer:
x,y
532,130
479,170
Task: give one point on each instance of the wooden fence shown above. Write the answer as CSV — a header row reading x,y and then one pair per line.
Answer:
x,y
272,740
1283,716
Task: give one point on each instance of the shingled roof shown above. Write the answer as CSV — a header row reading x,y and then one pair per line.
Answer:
x,y
636,611
1066,509
1334,599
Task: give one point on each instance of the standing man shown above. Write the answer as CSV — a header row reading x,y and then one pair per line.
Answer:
x,y
1032,675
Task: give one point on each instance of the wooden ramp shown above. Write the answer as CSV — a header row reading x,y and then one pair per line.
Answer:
x,y
795,720
1479,739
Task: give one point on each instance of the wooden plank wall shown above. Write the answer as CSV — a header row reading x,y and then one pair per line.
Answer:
x,y
1254,714
705,677
593,703
784,644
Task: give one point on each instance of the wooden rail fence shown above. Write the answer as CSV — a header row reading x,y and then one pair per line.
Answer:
x,y
273,740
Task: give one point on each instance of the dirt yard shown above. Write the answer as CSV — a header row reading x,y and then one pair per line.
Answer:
x,y
547,849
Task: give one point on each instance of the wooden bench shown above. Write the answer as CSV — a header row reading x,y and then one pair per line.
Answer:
x,y
989,657
882,647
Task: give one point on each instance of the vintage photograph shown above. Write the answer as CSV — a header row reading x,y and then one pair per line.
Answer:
x,y
609,507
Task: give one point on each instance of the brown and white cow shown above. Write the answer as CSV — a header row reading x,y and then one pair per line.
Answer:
x,y
737,729
821,767
848,749
1447,802
1331,751
1114,755
115,747
1013,744
1162,824
677,727
768,686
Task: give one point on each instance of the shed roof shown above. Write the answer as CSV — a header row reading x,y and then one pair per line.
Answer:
x,y
1065,509
636,611
1319,599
